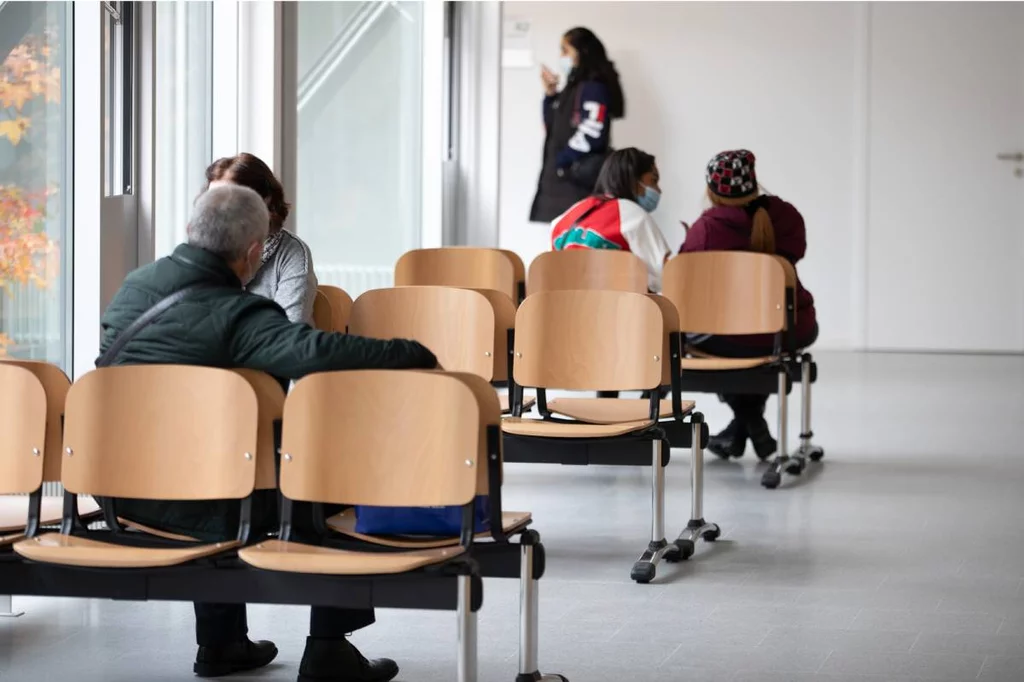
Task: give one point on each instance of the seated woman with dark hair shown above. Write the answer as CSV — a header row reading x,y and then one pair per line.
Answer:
x,y
618,215
742,218
286,266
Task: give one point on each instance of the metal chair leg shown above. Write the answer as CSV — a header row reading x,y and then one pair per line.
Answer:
x,y
697,528
467,663
529,625
7,608
773,476
645,567
807,449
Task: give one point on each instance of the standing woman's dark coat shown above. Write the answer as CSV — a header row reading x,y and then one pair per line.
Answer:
x,y
578,123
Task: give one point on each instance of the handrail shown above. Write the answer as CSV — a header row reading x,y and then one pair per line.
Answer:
x,y
350,34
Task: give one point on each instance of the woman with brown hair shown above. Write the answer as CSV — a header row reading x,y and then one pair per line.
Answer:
x,y
286,272
743,218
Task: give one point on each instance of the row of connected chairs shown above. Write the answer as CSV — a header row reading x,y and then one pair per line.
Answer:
x,y
731,305
163,432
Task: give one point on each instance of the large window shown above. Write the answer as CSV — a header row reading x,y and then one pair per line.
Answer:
x,y
184,104
359,201
35,187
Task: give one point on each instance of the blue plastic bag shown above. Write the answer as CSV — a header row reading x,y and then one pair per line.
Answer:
x,y
436,521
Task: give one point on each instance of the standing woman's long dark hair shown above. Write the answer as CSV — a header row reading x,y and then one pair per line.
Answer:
x,y
594,65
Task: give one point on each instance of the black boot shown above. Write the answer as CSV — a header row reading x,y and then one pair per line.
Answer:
x,y
233,658
338,660
751,414
731,442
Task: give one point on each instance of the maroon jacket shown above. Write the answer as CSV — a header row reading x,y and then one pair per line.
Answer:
x,y
727,228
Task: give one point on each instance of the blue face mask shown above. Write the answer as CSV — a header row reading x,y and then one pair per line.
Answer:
x,y
649,199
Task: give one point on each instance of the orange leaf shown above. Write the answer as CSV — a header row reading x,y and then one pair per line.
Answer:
x,y
14,130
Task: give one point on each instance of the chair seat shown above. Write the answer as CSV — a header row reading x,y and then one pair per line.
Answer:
x,y
8,540
14,511
166,535
709,364
506,407
67,550
517,426
345,523
295,557
612,410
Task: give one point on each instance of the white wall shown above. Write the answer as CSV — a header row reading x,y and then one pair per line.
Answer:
x,y
783,79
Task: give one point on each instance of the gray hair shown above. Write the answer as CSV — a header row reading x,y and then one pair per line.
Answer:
x,y
227,220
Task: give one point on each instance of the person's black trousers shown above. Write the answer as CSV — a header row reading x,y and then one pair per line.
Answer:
x,y
222,624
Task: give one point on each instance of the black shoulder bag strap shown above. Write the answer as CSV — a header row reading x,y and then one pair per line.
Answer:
x,y
142,322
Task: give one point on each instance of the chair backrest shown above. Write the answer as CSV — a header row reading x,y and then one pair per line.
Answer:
x,y
384,438
341,306
589,340
519,271
323,316
504,320
456,324
23,412
726,292
670,317
270,398
468,267
587,269
56,384
161,432
790,271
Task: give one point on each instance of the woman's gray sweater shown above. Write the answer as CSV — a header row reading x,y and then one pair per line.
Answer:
x,y
287,277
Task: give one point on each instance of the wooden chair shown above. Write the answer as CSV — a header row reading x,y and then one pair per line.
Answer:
x,y
152,432
589,340
468,330
733,293
587,269
467,267
519,271
340,304
323,316
342,445
32,398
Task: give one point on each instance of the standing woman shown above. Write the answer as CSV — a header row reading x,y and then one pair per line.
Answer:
x,y
578,123
286,271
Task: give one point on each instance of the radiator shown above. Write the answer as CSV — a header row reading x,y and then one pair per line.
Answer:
x,y
355,279
31,318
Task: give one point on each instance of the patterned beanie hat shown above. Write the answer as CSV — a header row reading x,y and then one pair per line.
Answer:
x,y
731,174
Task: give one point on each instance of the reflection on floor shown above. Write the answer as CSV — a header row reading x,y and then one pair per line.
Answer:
x,y
900,558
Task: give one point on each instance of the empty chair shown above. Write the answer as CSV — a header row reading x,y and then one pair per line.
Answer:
x,y
733,293
340,304
342,445
472,268
468,330
583,340
587,269
152,432
32,396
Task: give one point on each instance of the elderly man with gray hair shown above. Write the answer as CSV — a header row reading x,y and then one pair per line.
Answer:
x,y
206,318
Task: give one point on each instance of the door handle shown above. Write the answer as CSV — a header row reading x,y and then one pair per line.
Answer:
x,y
1016,158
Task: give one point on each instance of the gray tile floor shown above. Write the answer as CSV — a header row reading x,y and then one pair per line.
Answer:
x,y
900,558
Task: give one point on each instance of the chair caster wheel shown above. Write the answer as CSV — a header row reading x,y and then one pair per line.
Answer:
x,y
771,479
643,572
712,535
816,454
795,467
684,549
